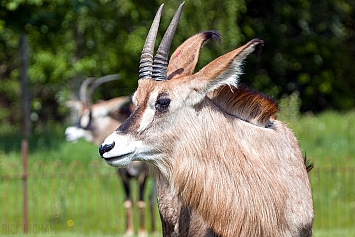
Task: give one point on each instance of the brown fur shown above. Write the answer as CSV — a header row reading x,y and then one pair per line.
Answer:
x,y
242,188
239,196
246,104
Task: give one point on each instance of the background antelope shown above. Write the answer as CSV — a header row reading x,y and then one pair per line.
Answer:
x,y
95,123
226,166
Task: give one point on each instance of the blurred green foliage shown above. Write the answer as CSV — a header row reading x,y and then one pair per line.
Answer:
x,y
309,47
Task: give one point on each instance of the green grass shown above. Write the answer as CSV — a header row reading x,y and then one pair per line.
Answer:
x,y
350,232
69,187
72,189
328,140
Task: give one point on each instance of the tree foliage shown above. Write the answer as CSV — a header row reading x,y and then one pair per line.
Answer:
x,y
309,47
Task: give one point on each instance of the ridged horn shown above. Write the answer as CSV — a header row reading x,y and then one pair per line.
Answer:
x,y
160,63
146,61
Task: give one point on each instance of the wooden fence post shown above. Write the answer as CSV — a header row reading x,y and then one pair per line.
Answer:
x,y
24,151
26,122
24,86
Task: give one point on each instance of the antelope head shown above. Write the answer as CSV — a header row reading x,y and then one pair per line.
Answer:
x,y
218,147
170,98
96,119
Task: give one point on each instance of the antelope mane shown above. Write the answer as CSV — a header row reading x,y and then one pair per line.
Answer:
x,y
246,104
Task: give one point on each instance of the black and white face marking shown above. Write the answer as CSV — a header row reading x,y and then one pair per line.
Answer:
x,y
157,104
123,146
81,129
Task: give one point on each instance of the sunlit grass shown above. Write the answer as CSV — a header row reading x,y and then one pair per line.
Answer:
x,y
350,232
328,139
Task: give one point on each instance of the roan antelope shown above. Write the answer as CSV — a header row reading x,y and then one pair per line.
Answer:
x,y
226,166
95,123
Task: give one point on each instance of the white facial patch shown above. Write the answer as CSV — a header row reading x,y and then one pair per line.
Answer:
x,y
147,119
149,113
125,150
85,119
134,100
73,134
124,145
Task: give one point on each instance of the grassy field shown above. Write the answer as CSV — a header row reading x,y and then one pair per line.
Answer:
x,y
72,192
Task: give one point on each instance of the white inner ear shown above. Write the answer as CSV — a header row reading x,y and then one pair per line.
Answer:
x,y
231,75
228,77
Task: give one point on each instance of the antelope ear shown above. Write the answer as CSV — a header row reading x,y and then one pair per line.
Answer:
x,y
226,69
184,59
115,104
74,105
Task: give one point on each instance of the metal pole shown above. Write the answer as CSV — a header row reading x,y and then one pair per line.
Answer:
x,y
24,151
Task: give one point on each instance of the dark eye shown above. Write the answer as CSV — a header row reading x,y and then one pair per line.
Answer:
x,y
162,104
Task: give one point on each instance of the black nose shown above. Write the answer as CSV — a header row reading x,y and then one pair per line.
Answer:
x,y
106,148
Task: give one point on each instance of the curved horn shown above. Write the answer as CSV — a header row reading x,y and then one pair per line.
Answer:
x,y
83,88
160,63
146,62
98,82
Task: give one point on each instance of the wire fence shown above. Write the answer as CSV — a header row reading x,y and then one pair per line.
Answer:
x,y
79,197
334,197
89,198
